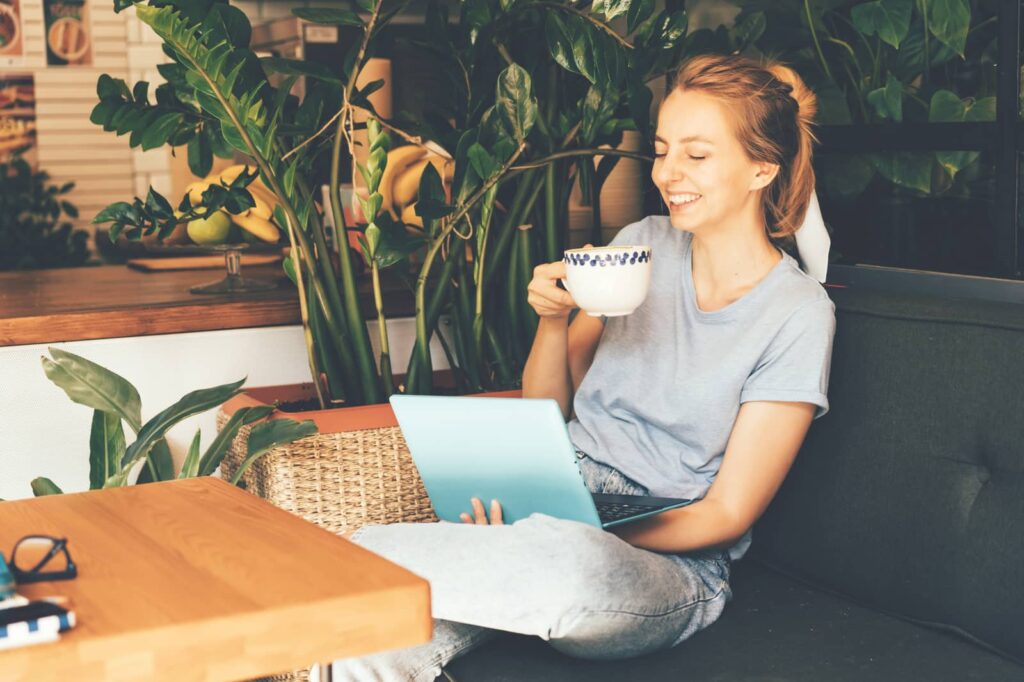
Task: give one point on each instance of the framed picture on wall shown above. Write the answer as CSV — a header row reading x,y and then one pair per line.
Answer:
x,y
18,118
68,32
12,46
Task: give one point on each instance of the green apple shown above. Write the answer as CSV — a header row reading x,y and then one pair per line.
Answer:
x,y
211,230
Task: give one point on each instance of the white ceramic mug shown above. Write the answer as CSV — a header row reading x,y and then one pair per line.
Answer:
x,y
608,280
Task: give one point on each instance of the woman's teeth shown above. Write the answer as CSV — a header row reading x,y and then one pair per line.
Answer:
x,y
683,199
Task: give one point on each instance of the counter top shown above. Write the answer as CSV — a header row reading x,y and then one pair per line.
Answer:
x,y
111,301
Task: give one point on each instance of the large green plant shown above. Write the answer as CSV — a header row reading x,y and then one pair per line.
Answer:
x,y
116,402
34,230
890,61
538,87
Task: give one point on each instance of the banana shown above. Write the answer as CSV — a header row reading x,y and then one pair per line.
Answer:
x,y
398,160
406,186
264,229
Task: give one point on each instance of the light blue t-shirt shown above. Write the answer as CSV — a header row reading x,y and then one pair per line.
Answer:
x,y
661,397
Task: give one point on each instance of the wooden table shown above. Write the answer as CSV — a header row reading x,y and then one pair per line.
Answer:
x,y
199,580
111,301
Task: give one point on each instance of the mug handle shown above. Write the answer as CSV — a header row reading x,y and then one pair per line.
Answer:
x,y
565,283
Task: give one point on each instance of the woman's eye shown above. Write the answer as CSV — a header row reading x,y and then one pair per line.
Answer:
x,y
697,158
659,155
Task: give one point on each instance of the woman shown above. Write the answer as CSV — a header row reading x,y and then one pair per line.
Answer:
x,y
705,392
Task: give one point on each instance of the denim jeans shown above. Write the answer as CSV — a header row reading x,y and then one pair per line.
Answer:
x,y
580,588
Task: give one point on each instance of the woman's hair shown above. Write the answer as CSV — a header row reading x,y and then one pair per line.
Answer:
x,y
774,111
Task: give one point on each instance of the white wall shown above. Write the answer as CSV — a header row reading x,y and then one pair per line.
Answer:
x,y
43,433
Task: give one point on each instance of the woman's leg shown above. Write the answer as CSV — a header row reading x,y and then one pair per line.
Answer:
x,y
586,591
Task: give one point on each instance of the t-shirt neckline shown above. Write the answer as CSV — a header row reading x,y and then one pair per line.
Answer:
x,y
738,304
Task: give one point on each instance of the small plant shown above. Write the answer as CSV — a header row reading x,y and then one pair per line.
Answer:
x,y
115,402
34,232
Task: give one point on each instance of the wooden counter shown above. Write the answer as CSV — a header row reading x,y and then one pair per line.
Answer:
x,y
111,301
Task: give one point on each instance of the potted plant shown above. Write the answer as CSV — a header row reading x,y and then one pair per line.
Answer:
x,y
538,88
113,462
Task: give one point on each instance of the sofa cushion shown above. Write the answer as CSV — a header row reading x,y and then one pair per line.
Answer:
x,y
774,629
909,495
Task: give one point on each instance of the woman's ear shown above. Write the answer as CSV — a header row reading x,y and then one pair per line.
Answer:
x,y
764,173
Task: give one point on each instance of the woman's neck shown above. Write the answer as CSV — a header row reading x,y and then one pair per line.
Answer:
x,y
729,262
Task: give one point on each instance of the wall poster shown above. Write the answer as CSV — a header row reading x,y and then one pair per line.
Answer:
x,y
12,47
18,118
68,33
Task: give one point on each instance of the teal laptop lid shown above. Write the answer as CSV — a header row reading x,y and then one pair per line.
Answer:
x,y
514,450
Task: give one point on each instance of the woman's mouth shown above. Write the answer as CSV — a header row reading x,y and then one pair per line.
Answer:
x,y
678,202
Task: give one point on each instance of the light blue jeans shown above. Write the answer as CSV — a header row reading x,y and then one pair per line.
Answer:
x,y
582,589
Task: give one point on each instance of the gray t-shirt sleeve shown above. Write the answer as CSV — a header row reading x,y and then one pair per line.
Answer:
x,y
795,366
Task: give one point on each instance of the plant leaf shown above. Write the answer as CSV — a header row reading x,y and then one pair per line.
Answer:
x,y
106,446
190,404
559,42
888,101
328,16
295,67
219,447
159,465
43,486
889,19
94,386
190,467
949,21
270,434
515,105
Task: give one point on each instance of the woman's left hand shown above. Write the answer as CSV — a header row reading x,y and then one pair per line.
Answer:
x,y
479,516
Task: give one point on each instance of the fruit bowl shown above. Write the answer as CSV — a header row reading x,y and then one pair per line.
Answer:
x,y
233,281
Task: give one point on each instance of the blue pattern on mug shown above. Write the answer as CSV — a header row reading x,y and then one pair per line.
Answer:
x,y
599,259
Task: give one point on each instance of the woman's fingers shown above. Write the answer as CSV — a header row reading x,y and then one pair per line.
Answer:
x,y
479,516
478,512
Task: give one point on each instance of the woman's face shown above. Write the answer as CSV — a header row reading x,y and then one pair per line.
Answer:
x,y
700,168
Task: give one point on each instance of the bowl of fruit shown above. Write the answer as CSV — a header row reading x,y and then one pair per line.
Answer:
x,y
219,231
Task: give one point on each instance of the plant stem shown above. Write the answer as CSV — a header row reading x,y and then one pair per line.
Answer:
x,y
927,58
817,45
550,212
382,332
571,153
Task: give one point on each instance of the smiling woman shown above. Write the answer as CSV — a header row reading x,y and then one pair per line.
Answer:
x,y
704,392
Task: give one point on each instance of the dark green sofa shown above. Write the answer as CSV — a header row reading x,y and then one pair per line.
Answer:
x,y
895,549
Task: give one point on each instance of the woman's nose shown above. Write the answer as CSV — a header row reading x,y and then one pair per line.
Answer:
x,y
667,172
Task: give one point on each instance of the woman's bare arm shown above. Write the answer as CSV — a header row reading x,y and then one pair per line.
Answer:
x,y
762,447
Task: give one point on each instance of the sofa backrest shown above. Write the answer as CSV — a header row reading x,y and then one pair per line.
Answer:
x,y
909,495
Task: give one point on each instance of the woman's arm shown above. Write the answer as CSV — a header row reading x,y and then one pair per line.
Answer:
x,y
561,353
762,447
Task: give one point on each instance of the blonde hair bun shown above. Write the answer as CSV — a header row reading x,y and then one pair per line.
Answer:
x,y
805,99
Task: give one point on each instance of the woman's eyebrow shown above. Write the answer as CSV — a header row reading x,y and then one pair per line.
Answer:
x,y
690,138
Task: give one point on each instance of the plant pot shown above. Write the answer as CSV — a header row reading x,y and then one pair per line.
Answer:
x,y
355,471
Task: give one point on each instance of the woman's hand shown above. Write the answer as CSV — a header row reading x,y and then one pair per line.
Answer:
x,y
545,296
480,516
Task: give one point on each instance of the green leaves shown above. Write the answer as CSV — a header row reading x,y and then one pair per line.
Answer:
x,y
559,42
328,16
106,447
270,434
514,102
889,19
190,404
219,447
44,486
888,101
949,21
94,386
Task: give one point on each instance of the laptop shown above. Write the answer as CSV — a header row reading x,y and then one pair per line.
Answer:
x,y
514,450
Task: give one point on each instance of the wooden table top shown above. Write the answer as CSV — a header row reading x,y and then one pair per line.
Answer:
x,y
111,301
199,580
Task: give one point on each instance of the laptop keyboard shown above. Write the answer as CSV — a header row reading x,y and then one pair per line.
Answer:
x,y
609,511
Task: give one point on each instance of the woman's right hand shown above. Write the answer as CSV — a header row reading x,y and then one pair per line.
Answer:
x,y
544,294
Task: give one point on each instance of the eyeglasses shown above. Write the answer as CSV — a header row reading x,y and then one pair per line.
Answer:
x,y
41,558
